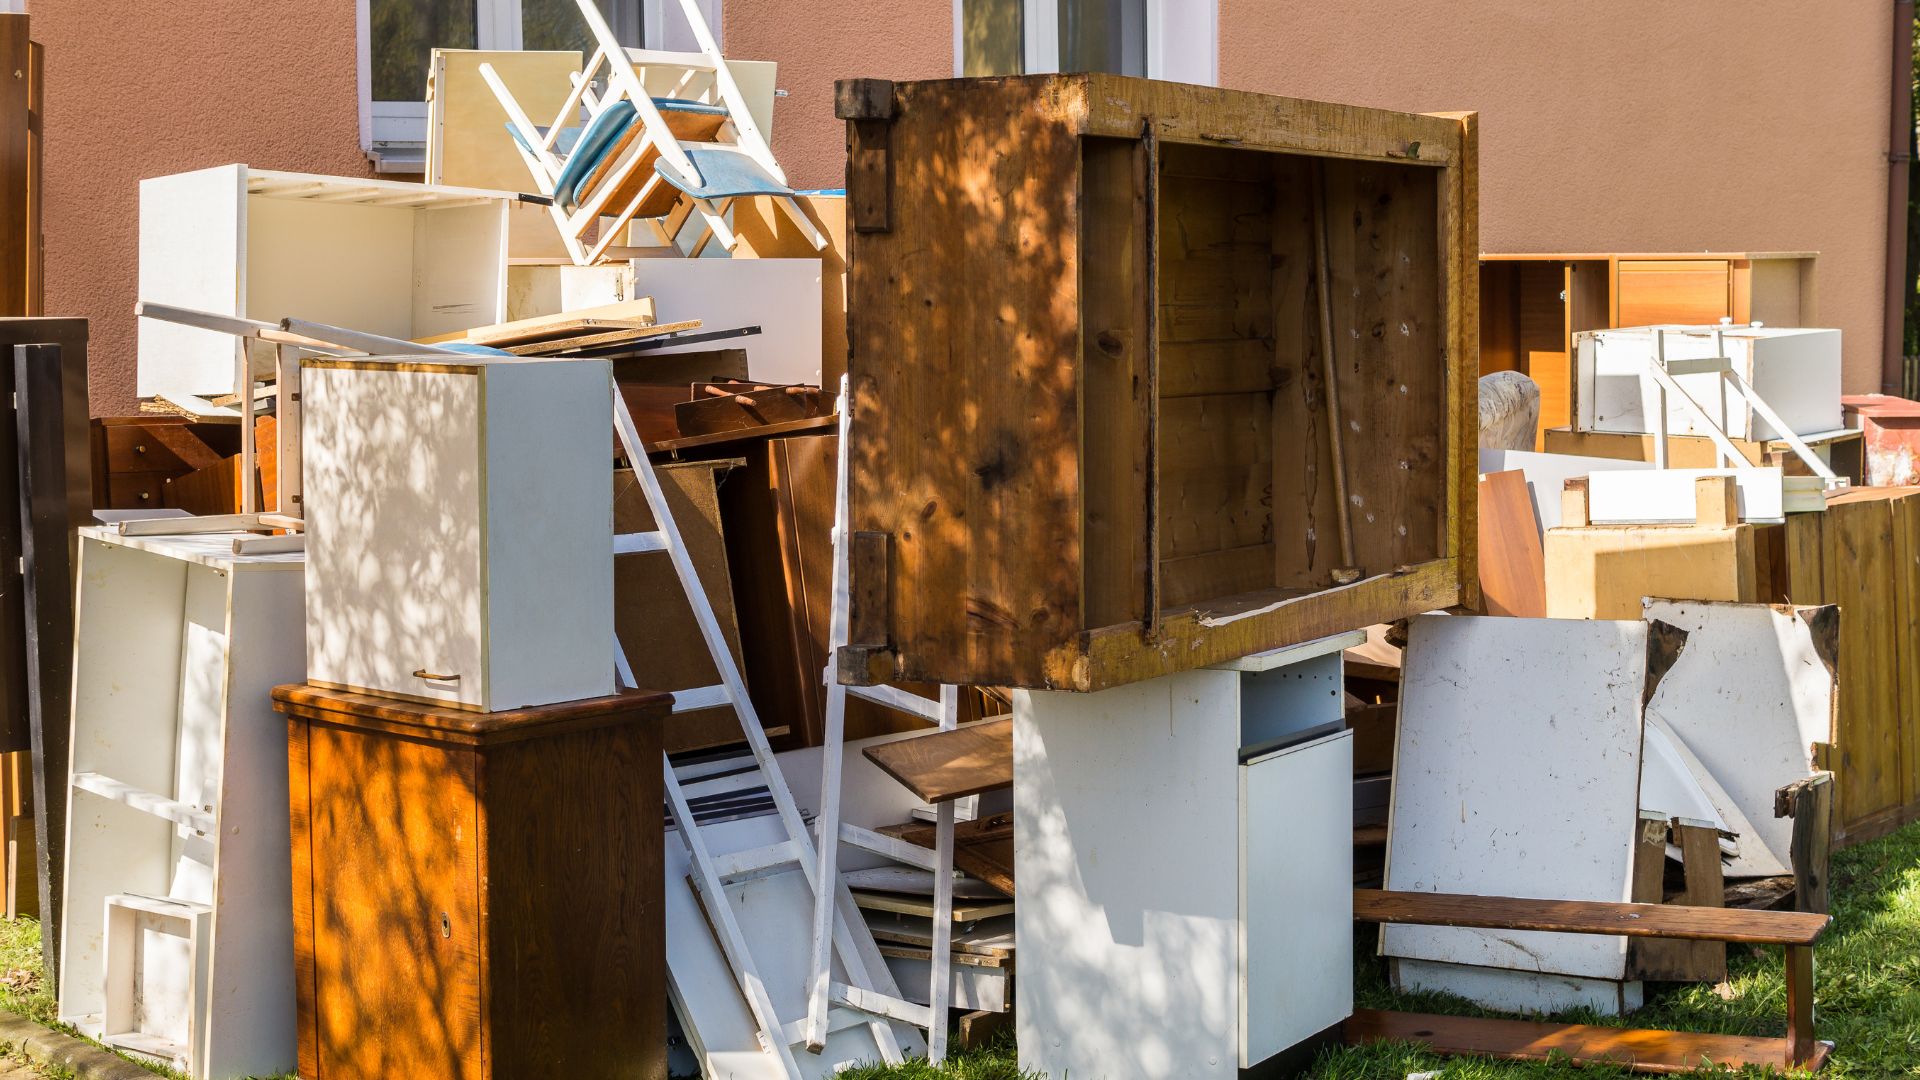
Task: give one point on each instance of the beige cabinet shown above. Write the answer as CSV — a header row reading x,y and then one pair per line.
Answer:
x,y
459,529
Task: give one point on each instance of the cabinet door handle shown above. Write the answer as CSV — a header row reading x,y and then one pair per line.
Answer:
x,y
423,673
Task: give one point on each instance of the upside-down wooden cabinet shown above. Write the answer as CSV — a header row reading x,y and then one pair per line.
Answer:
x,y
1093,435
476,895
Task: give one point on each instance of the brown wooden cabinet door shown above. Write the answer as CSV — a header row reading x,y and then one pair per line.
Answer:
x,y
395,908
1693,291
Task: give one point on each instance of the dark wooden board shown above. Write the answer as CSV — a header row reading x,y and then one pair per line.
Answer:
x,y
982,847
749,408
1589,917
947,765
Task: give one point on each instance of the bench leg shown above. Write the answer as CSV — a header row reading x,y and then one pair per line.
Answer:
x,y
1800,1045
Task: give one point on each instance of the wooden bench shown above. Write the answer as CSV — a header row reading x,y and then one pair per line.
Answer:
x,y
1641,1050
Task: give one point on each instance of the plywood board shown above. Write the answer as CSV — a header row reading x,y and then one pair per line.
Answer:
x,y
1604,571
1512,568
1509,781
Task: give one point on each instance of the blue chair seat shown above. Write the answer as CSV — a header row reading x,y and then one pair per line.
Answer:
x,y
725,174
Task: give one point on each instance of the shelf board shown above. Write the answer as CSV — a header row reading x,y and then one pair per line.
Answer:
x,y
145,801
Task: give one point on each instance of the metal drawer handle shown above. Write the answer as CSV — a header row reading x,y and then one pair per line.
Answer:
x,y
423,673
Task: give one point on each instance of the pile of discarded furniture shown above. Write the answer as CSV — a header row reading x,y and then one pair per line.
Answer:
x,y
604,604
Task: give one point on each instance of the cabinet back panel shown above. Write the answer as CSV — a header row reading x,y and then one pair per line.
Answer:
x,y
1246,494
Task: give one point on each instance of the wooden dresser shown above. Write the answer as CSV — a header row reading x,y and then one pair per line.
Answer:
x,y
477,895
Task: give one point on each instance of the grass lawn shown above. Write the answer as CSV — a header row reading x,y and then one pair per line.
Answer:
x,y
1867,979
1868,993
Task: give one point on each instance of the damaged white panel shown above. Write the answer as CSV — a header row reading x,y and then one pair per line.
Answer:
x,y
1517,773
1673,784
1750,694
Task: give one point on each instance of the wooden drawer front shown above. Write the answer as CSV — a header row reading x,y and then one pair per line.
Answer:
x,y
396,933
157,448
1692,291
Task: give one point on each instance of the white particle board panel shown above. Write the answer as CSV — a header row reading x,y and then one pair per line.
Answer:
x,y
386,257
1749,695
1517,773
1668,497
1795,371
1524,992
1547,476
1126,848
1296,884
1687,783
781,296
986,989
178,643
459,524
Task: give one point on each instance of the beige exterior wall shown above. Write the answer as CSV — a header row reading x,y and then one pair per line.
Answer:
x,y
1632,125
137,88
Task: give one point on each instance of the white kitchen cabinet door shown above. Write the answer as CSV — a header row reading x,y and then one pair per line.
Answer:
x,y
460,529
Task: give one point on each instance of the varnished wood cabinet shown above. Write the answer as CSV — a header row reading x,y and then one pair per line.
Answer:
x,y
477,895
1149,376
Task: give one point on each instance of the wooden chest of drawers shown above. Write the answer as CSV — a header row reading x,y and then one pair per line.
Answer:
x,y
477,895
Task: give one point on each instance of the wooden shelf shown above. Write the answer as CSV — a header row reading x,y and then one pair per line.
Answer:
x,y
1590,917
145,801
951,764
1525,1040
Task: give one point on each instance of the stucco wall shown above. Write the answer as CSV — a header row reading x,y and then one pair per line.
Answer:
x,y
818,41
1632,125
139,89
1627,126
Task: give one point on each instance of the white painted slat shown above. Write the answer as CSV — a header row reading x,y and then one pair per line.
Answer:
x,y
895,698
146,801
876,1004
891,846
837,1020
755,862
638,543
700,697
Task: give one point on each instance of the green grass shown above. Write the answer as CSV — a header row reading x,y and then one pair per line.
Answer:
x,y
1868,996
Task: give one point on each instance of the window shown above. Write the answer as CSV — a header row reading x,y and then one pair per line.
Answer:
x,y
1161,39
397,38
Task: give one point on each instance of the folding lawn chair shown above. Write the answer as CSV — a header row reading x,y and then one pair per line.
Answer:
x,y
638,156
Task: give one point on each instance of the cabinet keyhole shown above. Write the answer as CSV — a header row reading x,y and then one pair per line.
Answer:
x,y
446,926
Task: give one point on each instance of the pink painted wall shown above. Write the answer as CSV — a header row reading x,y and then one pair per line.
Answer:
x,y
1632,125
819,41
144,89
1635,125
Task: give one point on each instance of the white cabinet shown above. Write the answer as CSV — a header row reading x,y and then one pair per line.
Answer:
x,y
177,829
459,528
386,257
1795,371
1184,848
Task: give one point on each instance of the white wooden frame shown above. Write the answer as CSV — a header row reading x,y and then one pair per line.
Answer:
x,y
119,959
615,63
1182,39
1663,371
869,997
832,832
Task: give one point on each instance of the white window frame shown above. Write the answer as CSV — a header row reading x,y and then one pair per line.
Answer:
x,y
1182,39
497,27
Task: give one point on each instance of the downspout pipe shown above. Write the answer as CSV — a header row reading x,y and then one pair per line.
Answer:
x,y
1900,135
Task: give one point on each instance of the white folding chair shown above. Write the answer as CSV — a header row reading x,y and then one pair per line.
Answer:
x,y
638,156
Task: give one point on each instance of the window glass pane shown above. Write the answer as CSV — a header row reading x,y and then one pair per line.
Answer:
x,y
1104,35
403,35
992,38
556,24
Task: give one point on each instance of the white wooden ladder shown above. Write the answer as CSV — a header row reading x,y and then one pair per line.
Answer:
x,y
860,999
946,714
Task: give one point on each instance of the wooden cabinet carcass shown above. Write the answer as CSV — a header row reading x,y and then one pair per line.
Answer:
x,y
1148,376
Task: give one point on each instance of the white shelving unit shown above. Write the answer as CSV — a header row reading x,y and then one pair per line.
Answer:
x,y
177,829
1184,848
387,257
